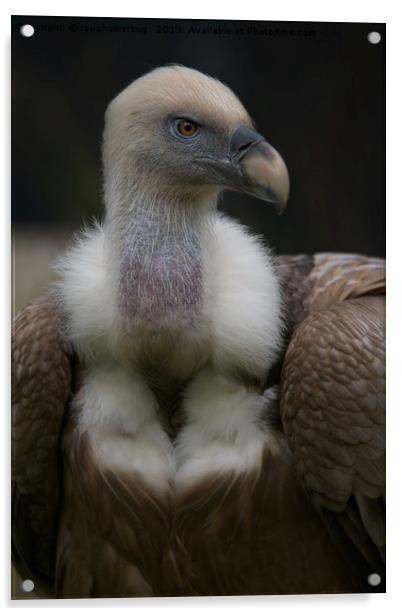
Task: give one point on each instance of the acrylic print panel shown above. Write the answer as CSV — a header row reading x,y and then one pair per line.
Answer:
x,y
198,387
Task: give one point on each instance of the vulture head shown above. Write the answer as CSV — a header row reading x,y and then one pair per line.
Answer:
x,y
180,135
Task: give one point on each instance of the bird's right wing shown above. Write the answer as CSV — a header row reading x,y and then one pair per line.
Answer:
x,y
41,385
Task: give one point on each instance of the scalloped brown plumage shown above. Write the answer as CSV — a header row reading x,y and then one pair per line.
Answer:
x,y
73,525
333,401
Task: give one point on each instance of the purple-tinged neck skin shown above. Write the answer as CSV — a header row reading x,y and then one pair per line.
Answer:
x,y
160,272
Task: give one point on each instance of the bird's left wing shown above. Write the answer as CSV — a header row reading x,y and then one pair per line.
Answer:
x,y
332,396
41,383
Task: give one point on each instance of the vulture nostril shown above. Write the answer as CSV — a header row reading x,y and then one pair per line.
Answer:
x,y
243,147
243,138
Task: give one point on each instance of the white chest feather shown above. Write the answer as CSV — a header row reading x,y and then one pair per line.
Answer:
x,y
231,326
223,431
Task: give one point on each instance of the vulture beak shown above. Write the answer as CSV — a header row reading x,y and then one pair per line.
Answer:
x,y
253,167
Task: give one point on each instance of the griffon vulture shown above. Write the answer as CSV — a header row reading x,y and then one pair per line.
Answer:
x,y
191,415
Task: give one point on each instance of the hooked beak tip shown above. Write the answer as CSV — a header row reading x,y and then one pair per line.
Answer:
x,y
252,166
267,174
263,170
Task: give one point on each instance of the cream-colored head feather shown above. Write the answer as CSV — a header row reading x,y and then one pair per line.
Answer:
x,y
175,89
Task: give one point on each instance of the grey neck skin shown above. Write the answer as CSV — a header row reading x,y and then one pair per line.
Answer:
x,y
160,261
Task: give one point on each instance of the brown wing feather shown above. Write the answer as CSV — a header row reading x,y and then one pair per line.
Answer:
x,y
332,397
313,282
113,525
41,381
256,533
337,277
293,272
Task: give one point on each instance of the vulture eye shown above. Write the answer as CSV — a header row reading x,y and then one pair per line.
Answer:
x,y
186,128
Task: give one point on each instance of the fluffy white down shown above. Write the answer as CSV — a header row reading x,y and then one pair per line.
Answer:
x,y
85,293
223,430
119,413
243,296
242,309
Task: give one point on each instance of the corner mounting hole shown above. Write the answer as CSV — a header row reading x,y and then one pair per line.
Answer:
x,y
27,30
374,579
28,585
374,38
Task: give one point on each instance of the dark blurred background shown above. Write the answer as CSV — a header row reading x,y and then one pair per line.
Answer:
x,y
315,90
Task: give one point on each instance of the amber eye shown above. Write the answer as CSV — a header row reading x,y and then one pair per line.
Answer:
x,y
186,128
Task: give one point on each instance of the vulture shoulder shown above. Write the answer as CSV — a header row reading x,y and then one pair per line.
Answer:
x,y
332,395
41,385
313,282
